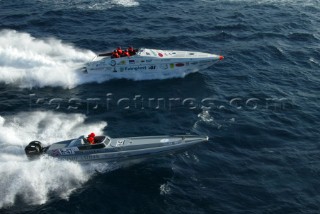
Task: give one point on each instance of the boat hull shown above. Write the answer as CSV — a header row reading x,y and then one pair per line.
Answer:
x,y
165,63
122,156
117,149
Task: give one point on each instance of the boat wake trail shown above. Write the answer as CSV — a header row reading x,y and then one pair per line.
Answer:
x,y
33,182
91,5
29,62
102,5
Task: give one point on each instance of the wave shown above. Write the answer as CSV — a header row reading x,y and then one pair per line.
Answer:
x,y
91,5
34,182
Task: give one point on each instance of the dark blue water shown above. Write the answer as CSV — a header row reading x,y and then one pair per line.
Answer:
x,y
259,106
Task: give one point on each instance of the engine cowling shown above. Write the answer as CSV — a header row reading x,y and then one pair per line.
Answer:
x,y
34,150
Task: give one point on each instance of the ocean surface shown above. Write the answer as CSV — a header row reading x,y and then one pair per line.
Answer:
x,y
260,106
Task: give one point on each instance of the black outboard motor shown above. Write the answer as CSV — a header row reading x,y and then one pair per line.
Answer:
x,y
34,150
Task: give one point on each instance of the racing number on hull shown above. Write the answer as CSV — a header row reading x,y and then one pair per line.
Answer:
x,y
120,143
152,67
67,152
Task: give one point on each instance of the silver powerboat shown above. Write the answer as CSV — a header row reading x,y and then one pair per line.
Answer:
x,y
113,149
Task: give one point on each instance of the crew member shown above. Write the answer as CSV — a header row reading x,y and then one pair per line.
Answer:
x,y
115,54
125,53
131,51
91,138
119,50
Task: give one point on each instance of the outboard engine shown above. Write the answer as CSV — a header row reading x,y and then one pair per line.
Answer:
x,y
34,150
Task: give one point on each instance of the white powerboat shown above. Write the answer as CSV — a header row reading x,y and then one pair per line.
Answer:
x,y
151,62
113,149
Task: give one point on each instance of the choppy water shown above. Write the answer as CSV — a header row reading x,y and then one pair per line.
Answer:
x,y
260,106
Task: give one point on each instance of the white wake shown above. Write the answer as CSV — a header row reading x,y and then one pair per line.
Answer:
x,y
29,62
91,5
35,181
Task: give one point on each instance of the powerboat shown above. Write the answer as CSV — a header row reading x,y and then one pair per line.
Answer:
x,y
151,62
113,149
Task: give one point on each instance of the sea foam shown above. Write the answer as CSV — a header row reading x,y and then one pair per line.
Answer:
x,y
29,62
34,181
92,5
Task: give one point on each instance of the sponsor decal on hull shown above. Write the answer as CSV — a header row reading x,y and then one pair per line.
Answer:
x,y
68,151
55,153
154,54
113,62
164,66
136,68
179,64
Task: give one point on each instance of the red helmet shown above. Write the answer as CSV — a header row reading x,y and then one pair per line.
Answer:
x,y
92,135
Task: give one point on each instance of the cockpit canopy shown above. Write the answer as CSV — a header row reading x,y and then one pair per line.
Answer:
x,y
81,142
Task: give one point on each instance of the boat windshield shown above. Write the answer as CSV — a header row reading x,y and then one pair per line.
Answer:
x,y
77,142
140,51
